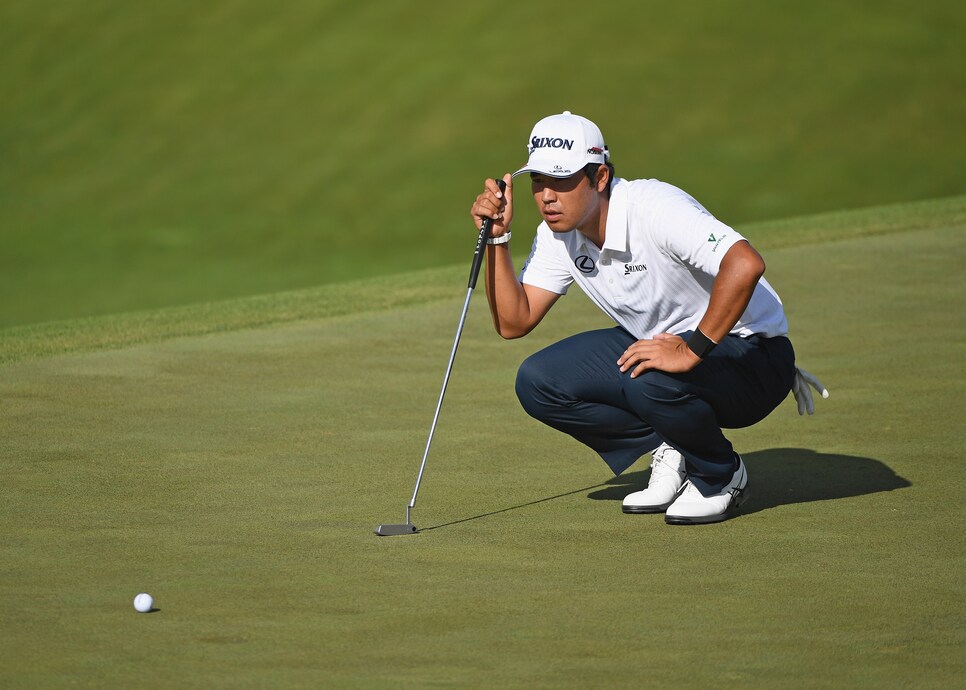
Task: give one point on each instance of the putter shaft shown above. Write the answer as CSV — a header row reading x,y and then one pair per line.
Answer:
x,y
439,403
485,230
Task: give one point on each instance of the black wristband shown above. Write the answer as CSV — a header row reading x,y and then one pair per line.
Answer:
x,y
700,344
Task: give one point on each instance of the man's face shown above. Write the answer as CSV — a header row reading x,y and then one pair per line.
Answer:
x,y
565,203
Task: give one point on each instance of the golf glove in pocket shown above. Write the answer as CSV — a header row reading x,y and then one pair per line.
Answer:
x,y
803,395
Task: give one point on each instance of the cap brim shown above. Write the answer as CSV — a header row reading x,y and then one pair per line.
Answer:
x,y
533,169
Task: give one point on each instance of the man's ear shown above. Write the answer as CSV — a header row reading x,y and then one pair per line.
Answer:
x,y
603,178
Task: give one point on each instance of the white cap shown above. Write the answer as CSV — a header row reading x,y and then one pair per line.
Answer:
x,y
560,145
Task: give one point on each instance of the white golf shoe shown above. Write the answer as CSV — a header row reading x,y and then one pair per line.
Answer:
x,y
693,508
667,476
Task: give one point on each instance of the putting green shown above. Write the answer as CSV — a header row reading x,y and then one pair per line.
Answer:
x,y
237,476
166,153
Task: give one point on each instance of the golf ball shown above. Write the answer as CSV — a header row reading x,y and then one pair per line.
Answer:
x,y
143,602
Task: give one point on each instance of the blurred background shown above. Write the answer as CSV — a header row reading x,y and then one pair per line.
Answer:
x,y
156,154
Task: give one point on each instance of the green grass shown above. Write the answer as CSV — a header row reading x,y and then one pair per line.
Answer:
x,y
162,154
412,288
238,474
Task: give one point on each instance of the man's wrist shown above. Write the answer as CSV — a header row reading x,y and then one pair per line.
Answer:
x,y
700,344
502,239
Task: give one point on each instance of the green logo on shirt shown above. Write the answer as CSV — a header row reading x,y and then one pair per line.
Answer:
x,y
717,240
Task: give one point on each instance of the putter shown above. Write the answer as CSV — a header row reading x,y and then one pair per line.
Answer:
x,y
408,527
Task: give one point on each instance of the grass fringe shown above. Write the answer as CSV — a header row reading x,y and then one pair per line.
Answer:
x,y
403,290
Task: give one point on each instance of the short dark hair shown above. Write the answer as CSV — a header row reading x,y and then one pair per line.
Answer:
x,y
590,170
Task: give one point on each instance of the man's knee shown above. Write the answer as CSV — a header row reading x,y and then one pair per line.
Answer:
x,y
532,386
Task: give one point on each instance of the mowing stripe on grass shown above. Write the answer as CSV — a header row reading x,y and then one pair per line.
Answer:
x,y
406,289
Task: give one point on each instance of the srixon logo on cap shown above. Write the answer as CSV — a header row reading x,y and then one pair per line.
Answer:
x,y
551,143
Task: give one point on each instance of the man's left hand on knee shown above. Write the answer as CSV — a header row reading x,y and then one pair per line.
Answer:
x,y
665,352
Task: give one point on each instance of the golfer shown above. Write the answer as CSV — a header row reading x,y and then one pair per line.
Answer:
x,y
700,342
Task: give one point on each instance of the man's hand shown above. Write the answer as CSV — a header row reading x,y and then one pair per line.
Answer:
x,y
803,396
492,203
666,352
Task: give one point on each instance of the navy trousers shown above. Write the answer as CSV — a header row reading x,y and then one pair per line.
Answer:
x,y
575,386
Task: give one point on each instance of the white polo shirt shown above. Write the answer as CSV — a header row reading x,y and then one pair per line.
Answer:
x,y
654,274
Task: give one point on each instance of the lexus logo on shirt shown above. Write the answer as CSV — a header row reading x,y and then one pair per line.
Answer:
x,y
584,264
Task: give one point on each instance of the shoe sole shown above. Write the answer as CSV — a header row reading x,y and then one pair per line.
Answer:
x,y
651,509
642,510
730,512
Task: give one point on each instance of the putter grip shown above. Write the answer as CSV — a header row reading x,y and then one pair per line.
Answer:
x,y
485,231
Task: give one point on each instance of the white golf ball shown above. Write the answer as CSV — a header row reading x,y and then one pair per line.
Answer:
x,y
143,602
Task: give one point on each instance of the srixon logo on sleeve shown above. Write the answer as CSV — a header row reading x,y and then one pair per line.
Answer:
x,y
551,143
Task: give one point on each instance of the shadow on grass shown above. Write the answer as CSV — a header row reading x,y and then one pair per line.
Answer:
x,y
516,507
778,476
782,476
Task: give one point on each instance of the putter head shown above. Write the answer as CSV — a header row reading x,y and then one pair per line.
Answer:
x,y
396,530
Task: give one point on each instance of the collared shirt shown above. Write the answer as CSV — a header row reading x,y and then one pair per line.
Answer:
x,y
654,274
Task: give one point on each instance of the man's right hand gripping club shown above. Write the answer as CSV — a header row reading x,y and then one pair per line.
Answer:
x,y
516,308
494,204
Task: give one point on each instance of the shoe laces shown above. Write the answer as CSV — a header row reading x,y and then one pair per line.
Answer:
x,y
690,489
660,466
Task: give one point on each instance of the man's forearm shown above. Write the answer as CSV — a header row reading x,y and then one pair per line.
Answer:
x,y
508,300
741,269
